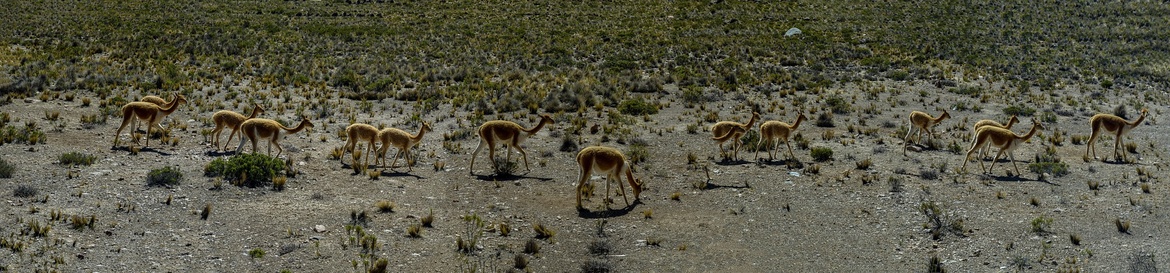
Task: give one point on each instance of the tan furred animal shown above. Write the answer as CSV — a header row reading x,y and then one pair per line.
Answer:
x,y
401,139
359,132
771,130
611,162
230,119
1113,124
988,122
259,128
157,101
149,112
923,122
723,127
509,133
1005,139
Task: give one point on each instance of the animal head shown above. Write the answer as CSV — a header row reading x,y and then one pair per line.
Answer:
x,y
944,115
545,118
425,127
801,117
1036,123
308,123
257,108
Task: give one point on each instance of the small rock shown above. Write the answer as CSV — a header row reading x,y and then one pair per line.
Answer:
x,y
319,228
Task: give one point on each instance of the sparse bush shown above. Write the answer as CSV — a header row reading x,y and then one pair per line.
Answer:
x,y
251,170
1023,111
505,167
928,174
864,164
599,248
939,222
821,153
24,191
532,247
543,232
76,158
6,169
1041,225
639,152
595,266
385,206
256,253
825,119
568,144
165,176
638,107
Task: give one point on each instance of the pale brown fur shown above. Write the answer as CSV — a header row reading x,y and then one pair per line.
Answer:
x,y
923,122
231,119
723,127
1005,139
259,128
157,101
1113,124
510,133
611,162
401,139
149,112
771,130
987,122
358,132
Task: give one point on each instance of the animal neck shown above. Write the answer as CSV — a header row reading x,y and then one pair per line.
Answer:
x,y
418,137
296,129
939,118
1138,120
537,127
751,121
799,119
255,112
170,107
1030,132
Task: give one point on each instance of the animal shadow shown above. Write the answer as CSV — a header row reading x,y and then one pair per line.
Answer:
x,y
587,214
141,150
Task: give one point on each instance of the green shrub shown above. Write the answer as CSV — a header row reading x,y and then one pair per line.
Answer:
x,y
822,153
6,169
639,151
1022,111
1055,168
165,176
252,170
76,158
637,107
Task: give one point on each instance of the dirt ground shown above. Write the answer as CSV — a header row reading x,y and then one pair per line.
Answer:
x,y
752,215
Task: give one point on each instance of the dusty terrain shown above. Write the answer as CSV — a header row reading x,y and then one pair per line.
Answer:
x,y
753,215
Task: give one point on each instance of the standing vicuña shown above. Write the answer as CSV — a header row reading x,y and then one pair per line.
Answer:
x,y
231,119
1005,139
149,112
611,162
923,122
724,127
358,132
1113,124
772,130
401,139
510,133
259,128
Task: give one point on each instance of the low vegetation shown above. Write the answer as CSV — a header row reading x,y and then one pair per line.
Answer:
x,y
251,170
